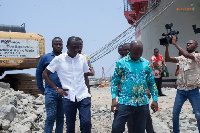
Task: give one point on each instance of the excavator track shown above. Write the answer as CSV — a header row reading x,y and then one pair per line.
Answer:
x,y
23,82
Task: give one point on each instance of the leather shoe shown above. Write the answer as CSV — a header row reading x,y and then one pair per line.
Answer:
x,y
162,95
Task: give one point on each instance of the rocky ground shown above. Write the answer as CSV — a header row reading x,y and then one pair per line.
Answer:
x,y
23,113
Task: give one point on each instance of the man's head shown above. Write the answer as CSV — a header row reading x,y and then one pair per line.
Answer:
x,y
57,45
120,50
126,48
81,45
73,45
191,46
156,52
136,50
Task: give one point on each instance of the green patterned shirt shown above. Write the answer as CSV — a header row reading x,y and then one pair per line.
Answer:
x,y
135,77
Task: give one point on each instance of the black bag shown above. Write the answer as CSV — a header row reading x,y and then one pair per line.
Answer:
x,y
165,73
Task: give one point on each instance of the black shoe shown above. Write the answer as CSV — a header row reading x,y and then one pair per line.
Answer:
x,y
162,95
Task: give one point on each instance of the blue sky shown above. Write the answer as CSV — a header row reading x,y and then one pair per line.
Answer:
x,y
96,22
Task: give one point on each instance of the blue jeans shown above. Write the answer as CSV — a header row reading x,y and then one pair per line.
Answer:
x,y
54,112
70,110
124,112
181,97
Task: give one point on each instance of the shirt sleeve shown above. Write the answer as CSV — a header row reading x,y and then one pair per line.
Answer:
x,y
53,66
152,61
39,71
177,58
89,62
151,84
197,57
85,66
116,78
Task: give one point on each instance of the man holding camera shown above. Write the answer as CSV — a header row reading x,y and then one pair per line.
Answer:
x,y
188,80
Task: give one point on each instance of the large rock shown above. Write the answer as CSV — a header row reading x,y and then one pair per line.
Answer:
x,y
18,128
8,112
31,119
5,124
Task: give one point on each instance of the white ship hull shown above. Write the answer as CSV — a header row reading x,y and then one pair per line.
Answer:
x,y
152,26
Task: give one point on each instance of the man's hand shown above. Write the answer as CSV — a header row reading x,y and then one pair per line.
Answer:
x,y
174,40
155,105
90,97
62,92
42,92
114,105
149,95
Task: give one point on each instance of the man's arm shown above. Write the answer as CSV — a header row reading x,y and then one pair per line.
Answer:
x,y
114,86
163,62
182,51
91,73
87,82
45,75
152,87
38,75
167,57
156,66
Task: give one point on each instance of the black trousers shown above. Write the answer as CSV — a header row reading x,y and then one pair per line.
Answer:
x,y
149,125
159,85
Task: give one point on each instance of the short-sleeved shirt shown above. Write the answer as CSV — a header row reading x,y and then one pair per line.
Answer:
x,y
158,60
43,63
71,74
135,77
186,66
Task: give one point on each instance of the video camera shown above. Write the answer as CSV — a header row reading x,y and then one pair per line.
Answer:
x,y
167,39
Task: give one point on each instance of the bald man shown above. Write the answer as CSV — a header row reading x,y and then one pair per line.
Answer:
x,y
135,74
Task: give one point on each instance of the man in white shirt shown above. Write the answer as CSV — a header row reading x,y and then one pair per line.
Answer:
x,y
72,68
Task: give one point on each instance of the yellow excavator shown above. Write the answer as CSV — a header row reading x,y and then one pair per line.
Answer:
x,y
20,50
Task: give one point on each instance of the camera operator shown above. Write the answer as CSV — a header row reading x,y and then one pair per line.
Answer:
x,y
188,80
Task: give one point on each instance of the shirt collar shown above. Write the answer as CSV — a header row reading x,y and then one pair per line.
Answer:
x,y
66,55
52,54
128,58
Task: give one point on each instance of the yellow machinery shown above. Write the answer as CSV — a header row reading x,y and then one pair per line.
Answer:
x,y
19,50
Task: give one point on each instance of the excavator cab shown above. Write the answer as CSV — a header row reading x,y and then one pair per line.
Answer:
x,y
20,50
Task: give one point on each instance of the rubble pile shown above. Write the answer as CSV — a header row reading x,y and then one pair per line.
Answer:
x,y
20,112
23,113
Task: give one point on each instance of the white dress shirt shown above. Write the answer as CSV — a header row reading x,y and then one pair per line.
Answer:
x,y
71,74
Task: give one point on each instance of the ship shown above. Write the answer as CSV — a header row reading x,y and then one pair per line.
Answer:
x,y
151,19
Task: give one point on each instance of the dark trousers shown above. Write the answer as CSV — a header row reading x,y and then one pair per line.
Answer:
x,y
70,110
54,111
124,112
159,85
149,125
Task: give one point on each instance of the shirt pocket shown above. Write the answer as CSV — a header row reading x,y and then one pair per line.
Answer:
x,y
180,79
191,64
193,80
